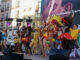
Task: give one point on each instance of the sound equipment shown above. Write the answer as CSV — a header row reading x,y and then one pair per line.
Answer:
x,y
7,51
9,19
13,56
59,54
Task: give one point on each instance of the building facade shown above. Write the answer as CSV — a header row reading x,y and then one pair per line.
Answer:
x,y
19,9
5,6
5,9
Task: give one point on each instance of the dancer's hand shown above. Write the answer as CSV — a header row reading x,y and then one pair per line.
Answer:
x,y
73,15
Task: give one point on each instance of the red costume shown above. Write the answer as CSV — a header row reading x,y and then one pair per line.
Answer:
x,y
66,38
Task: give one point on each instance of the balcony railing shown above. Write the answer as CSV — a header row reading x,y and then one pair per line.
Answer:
x,y
7,8
2,10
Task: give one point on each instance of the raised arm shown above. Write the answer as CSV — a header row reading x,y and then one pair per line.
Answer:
x,y
73,16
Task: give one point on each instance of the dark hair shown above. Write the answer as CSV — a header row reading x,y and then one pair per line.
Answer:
x,y
68,20
76,25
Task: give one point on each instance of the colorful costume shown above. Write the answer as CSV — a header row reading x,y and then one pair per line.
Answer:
x,y
65,37
35,41
23,38
17,40
45,36
3,36
74,33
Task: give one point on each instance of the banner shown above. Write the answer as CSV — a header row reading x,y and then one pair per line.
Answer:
x,y
51,7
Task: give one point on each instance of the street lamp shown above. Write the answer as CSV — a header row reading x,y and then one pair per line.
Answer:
x,y
8,20
24,21
19,22
29,21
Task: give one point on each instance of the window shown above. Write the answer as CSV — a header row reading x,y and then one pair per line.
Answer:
x,y
2,9
1,0
2,17
17,14
17,4
40,0
6,15
7,7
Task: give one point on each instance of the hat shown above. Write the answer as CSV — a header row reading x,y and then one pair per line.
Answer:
x,y
67,20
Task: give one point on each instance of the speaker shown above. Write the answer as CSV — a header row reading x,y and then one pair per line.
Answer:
x,y
19,20
13,56
56,54
7,51
58,57
9,19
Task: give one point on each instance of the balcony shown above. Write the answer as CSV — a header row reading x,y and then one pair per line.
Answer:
x,y
17,4
4,0
7,9
2,18
2,10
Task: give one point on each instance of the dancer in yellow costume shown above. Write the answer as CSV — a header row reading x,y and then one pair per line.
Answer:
x,y
35,40
74,33
18,42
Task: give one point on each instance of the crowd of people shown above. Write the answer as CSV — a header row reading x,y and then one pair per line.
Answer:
x,y
44,37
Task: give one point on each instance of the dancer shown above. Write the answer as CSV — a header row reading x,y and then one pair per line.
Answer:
x,y
3,40
65,37
43,40
18,42
28,39
74,33
23,40
35,41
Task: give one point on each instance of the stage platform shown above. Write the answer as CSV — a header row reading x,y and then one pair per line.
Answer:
x,y
36,57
